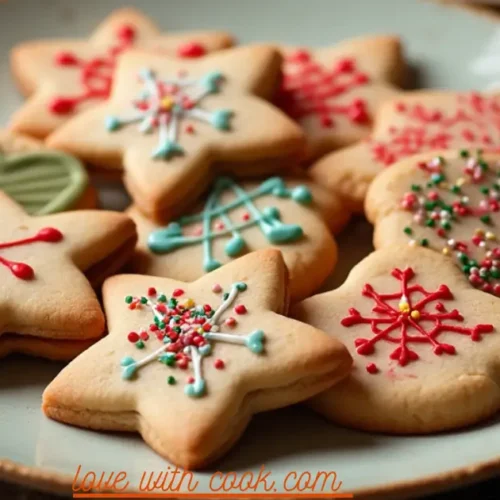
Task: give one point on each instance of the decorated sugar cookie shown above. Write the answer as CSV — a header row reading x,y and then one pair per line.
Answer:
x,y
240,217
425,344
449,202
333,92
193,361
413,123
46,263
65,77
40,180
170,123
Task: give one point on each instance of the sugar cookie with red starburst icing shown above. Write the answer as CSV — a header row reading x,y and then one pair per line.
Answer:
x,y
413,123
334,92
63,77
448,201
48,265
291,214
426,345
172,124
187,364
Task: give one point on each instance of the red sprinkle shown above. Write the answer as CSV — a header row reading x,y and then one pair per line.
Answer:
x,y
191,50
151,291
219,364
372,368
178,292
144,336
240,309
133,337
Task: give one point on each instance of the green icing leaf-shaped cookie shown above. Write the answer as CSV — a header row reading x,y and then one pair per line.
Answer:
x,y
42,182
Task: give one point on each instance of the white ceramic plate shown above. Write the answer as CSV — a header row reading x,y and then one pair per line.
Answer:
x,y
447,47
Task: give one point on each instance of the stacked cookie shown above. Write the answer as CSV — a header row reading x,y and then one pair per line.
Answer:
x,y
228,232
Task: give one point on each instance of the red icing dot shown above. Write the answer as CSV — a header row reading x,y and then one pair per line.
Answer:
x,y
66,59
22,271
371,368
191,50
219,364
240,309
178,292
151,291
133,337
144,336
49,234
126,32
62,106
189,129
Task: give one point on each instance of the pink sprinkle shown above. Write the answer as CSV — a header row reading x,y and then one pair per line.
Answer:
x,y
240,309
219,226
230,321
216,288
189,129
246,216
198,231
190,380
178,292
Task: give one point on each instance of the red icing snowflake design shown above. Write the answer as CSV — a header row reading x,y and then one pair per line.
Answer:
x,y
308,88
405,324
475,122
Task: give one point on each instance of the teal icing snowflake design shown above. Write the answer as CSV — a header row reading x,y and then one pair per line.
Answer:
x,y
186,333
163,104
171,237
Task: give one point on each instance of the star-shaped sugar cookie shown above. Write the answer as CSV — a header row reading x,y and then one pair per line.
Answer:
x,y
187,364
426,345
448,201
63,77
292,214
334,92
413,123
46,264
172,123
40,180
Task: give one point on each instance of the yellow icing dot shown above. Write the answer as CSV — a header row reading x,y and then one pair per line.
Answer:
x,y
446,251
167,103
415,314
490,236
460,182
188,303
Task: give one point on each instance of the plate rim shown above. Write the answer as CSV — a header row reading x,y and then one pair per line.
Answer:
x,y
51,481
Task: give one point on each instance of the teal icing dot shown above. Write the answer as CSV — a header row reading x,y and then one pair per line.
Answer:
x,y
127,360
211,81
285,233
196,389
129,371
205,350
211,265
302,194
271,213
167,150
234,246
220,119
255,341
112,123
241,286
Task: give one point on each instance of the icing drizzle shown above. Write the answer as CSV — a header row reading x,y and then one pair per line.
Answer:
x,y
443,205
42,182
474,122
186,333
96,74
308,88
164,104
406,323
19,269
171,237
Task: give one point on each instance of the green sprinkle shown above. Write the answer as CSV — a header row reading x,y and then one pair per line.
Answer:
x,y
171,380
485,218
225,296
430,205
463,258
430,223
161,325
466,269
473,263
129,299
172,303
416,187
139,344
241,286
483,164
464,153
144,300
495,272
424,242
162,298
408,230
456,190
484,189
177,329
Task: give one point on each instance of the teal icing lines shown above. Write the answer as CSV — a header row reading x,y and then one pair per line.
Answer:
x,y
171,237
